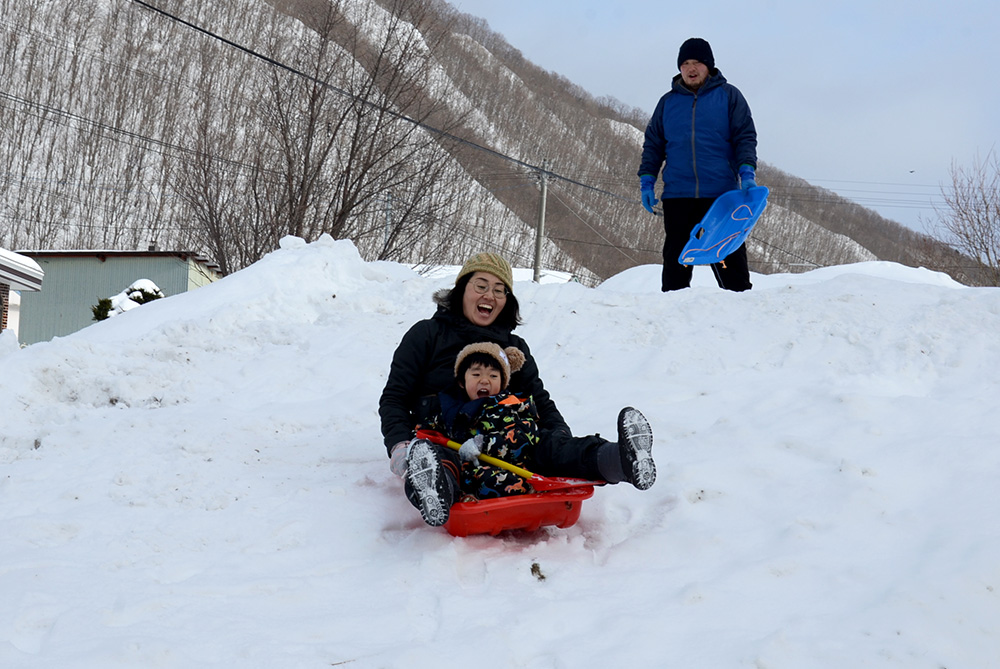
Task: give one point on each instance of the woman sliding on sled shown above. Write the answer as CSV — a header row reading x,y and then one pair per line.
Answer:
x,y
482,308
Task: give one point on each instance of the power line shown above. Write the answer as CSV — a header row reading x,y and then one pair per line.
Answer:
x,y
397,115
166,145
113,130
149,142
872,183
533,168
617,247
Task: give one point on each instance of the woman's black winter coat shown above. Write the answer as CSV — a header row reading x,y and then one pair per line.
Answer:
x,y
424,365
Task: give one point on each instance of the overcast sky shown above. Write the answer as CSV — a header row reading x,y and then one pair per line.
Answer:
x,y
873,99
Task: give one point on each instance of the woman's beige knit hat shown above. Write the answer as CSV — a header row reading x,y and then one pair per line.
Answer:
x,y
489,262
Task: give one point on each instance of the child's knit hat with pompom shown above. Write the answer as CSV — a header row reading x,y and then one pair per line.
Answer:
x,y
509,359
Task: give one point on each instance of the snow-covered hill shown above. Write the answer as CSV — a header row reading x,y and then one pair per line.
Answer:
x,y
126,128
200,482
783,240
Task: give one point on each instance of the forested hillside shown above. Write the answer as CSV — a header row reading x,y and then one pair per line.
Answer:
x,y
403,125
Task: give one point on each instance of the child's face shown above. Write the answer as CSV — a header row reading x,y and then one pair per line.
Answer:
x,y
481,381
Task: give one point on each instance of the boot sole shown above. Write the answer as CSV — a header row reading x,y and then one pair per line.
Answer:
x,y
424,472
636,437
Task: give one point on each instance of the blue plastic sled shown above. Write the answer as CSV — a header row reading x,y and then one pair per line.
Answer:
x,y
725,227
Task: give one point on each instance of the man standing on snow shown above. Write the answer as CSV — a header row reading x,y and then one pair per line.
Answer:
x,y
702,129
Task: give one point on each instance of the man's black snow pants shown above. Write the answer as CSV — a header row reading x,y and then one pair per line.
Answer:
x,y
680,216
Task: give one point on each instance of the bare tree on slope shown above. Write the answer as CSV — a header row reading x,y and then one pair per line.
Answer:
x,y
971,222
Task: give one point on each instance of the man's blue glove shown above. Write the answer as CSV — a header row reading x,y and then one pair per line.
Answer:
x,y
647,183
747,177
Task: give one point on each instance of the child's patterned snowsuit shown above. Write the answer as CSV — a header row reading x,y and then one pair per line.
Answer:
x,y
510,432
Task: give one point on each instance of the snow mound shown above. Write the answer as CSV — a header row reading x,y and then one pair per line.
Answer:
x,y
201,482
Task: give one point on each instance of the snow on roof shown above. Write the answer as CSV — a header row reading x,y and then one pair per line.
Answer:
x,y
20,272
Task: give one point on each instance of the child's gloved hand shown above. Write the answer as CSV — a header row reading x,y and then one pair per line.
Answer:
x,y
748,178
471,449
397,458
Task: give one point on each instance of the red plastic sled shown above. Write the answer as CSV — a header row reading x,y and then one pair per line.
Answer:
x,y
725,227
520,512
556,502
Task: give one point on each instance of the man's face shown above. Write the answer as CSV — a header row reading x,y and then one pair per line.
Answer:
x,y
693,73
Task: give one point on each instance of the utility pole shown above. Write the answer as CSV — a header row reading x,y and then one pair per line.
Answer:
x,y
540,232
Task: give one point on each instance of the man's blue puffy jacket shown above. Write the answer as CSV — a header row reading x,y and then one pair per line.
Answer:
x,y
702,136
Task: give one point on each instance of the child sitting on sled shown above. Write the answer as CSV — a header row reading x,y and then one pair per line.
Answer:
x,y
490,420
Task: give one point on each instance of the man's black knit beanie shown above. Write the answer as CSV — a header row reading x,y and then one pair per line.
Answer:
x,y
696,49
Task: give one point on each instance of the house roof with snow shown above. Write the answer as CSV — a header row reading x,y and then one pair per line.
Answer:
x,y
19,272
104,254
76,280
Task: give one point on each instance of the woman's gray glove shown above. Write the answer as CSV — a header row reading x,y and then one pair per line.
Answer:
x,y
397,458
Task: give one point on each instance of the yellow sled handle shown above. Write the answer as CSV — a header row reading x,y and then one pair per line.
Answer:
x,y
538,482
440,439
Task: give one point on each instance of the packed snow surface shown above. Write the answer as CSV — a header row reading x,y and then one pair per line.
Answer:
x,y
201,482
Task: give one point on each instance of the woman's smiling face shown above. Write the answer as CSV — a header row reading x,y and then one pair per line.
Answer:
x,y
484,298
